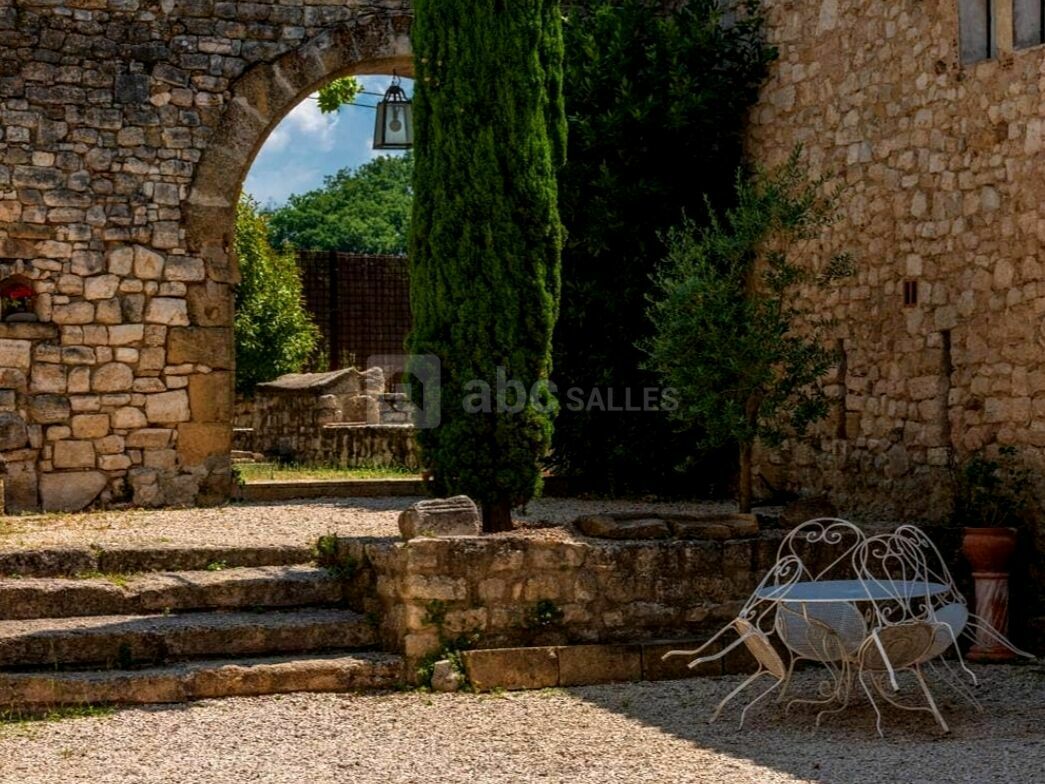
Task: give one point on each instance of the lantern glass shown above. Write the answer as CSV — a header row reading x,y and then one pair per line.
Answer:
x,y
394,128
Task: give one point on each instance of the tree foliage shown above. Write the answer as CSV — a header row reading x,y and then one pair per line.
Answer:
x,y
656,102
486,238
274,333
745,353
366,210
335,94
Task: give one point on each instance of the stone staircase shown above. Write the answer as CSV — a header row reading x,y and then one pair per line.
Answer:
x,y
179,627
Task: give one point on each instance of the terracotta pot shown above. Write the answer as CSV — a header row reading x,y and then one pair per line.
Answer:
x,y
989,549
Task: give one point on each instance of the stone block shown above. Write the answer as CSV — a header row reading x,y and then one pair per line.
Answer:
x,y
112,377
210,304
457,516
15,354
148,264
167,310
149,438
101,287
167,407
90,425
585,664
73,454
128,418
512,668
126,334
49,409
211,397
606,526
714,527
70,491
13,432
199,441
210,346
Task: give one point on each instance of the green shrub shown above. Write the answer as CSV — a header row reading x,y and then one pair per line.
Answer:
x,y
656,102
745,353
274,333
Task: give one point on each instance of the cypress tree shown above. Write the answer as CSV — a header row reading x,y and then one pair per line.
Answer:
x,y
486,240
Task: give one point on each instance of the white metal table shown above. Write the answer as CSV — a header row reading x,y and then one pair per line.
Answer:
x,y
849,591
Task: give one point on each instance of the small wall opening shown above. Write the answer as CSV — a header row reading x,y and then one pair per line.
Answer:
x,y
17,300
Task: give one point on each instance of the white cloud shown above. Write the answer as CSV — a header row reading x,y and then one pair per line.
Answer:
x,y
305,124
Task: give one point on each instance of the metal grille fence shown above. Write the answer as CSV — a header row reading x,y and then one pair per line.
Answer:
x,y
361,304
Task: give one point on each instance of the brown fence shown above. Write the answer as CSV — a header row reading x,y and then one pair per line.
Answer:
x,y
361,304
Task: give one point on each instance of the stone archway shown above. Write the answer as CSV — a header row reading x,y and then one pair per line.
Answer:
x,y
117,200
261,98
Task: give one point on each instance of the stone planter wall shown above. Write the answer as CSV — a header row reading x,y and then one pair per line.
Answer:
x,y
526,591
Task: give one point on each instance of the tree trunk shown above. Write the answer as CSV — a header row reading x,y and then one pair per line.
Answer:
x,y
744,482
497,517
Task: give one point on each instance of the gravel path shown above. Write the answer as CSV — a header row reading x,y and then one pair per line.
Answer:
x,y
641,732
292,522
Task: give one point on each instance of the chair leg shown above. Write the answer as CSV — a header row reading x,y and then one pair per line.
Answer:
x,y
954,682
786,683
734,693
844,692
870,697
750,705
929,698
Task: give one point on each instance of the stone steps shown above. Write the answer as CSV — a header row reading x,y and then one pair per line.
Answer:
x,y
152,592
129,559
200,680
134,640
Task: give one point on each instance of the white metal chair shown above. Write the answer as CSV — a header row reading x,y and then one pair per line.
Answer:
x,y
829,634
753,626
949,607
904,628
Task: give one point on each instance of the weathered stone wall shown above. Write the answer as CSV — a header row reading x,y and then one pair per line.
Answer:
x,y
341,418
126,130
943,165
493,588
526,590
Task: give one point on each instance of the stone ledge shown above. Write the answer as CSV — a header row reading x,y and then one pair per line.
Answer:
x,y
28,331
583,665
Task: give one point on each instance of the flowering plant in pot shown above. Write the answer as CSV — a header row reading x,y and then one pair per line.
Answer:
x,y
993,497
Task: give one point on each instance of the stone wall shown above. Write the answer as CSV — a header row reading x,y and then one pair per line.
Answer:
x,y
341,418
943,164
509,591
126,130
532,589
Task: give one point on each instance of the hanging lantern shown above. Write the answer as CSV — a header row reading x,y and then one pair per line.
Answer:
x,y
394,129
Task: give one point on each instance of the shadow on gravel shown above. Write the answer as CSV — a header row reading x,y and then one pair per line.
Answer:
x,y
1004,744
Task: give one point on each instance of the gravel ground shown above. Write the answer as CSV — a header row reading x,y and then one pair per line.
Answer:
x,y
644,732
293,522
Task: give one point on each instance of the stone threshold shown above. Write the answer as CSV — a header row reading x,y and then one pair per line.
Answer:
x,y
27,693
263,492
550,666
133,559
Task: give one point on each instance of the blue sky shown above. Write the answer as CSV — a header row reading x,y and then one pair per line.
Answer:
x,y
308,145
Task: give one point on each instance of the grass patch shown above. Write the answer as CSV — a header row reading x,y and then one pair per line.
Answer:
x,y
116,578
21,718
252,473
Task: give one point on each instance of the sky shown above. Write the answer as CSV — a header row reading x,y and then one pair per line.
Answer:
x,y
309,145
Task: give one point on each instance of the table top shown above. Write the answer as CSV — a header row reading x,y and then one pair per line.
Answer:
x,y
848,591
